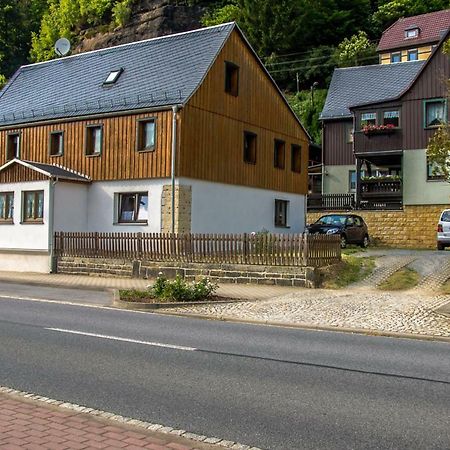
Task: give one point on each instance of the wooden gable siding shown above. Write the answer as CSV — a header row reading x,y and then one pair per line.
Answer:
x,y
16,173
119,158
213,125
337,150
432,83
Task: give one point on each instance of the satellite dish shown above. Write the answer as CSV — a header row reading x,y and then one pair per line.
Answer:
x,y
62,47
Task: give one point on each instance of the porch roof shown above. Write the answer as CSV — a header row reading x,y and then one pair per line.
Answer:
x,y
49,170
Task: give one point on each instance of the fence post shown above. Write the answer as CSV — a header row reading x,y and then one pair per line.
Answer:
x,y
245,248
305,249
139,246
96,243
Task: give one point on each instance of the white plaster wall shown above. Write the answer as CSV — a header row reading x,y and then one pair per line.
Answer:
x,y
71,204
102,207
223,208
25,236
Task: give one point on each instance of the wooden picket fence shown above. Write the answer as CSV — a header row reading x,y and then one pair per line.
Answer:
x,y
259,248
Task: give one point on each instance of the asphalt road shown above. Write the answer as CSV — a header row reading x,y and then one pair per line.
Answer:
x,y
268,387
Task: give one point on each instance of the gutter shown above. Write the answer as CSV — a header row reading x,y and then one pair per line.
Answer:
x,y
175,110
51,220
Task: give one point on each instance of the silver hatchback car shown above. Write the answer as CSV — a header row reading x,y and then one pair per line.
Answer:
x,y
443,230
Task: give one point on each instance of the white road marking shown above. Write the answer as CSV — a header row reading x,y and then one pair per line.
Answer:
x,y
133,341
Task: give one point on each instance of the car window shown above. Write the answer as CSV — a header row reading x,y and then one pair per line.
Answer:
x,y
332,220
350,222
445,216
357,221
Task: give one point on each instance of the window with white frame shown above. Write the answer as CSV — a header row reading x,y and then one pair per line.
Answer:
x,y
411,33
6,207
281,213
12,146
133,207
94,140
435,112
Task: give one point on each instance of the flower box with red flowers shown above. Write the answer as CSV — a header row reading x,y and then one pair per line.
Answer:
x,y
370,130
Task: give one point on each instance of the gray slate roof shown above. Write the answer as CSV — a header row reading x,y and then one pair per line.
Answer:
x,y
355,86
157,72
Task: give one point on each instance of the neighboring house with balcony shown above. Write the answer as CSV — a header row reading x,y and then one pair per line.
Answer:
x,y
184,133
413,38
377,122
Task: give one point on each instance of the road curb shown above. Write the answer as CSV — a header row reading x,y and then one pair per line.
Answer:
x,y
202,439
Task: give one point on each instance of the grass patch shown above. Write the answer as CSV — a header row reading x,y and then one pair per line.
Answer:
x,y
352,249
401,280
351,270
445,289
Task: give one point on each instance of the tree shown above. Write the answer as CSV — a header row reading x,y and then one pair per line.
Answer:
x,y
356,51
438,152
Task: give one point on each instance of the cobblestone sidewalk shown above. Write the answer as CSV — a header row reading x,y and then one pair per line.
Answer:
x,y
407,312
32,425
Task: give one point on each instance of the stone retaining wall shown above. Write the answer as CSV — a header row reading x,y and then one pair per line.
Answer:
x,y
414,227
222,273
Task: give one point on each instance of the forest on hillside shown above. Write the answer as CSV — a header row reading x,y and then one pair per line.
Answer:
x,y
300,41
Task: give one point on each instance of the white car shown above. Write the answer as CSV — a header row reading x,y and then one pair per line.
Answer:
x,y
443,230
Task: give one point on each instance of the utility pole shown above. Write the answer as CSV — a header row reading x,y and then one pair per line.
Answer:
x,y
314,85
298,82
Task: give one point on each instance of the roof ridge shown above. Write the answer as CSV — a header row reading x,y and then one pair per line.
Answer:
x,y
381,65
128,44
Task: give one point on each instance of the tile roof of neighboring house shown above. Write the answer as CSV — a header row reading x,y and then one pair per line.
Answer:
x,y
431,25
355,86
50,170
157,72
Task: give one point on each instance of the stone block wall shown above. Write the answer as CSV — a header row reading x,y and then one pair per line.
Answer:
x,y
414,227
183,208
221,273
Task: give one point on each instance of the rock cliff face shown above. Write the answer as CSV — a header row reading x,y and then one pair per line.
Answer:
x,y
149,19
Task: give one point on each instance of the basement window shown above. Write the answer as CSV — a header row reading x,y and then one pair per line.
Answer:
x,y
113,77
279,154
231,79
133,208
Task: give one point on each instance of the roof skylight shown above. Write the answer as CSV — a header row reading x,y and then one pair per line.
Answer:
x,y
113,76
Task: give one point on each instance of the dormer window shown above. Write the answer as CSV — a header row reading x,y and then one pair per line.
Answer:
x,y
411,33
113,77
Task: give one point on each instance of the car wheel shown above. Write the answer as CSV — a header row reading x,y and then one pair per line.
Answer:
x,y
343,241
440,246
366,241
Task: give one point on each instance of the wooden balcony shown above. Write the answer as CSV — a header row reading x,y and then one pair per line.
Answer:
x,y
379,141
381,194
331,202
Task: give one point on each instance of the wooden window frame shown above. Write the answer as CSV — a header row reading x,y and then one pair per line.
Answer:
x,y
50,144
361,126
284,222
7,146
391,110
35,219
87,139
425,104
7,220
137,195
396,54
279,154
411,51
140,127
232,79
294,149
250,156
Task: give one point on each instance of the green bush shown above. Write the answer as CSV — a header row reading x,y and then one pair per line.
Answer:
x,y
179,290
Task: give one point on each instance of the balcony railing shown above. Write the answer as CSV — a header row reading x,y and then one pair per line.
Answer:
x,y
379,140
334,202
381,194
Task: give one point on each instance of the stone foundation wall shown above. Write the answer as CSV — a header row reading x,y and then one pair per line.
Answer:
x,y
221,273
414,227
